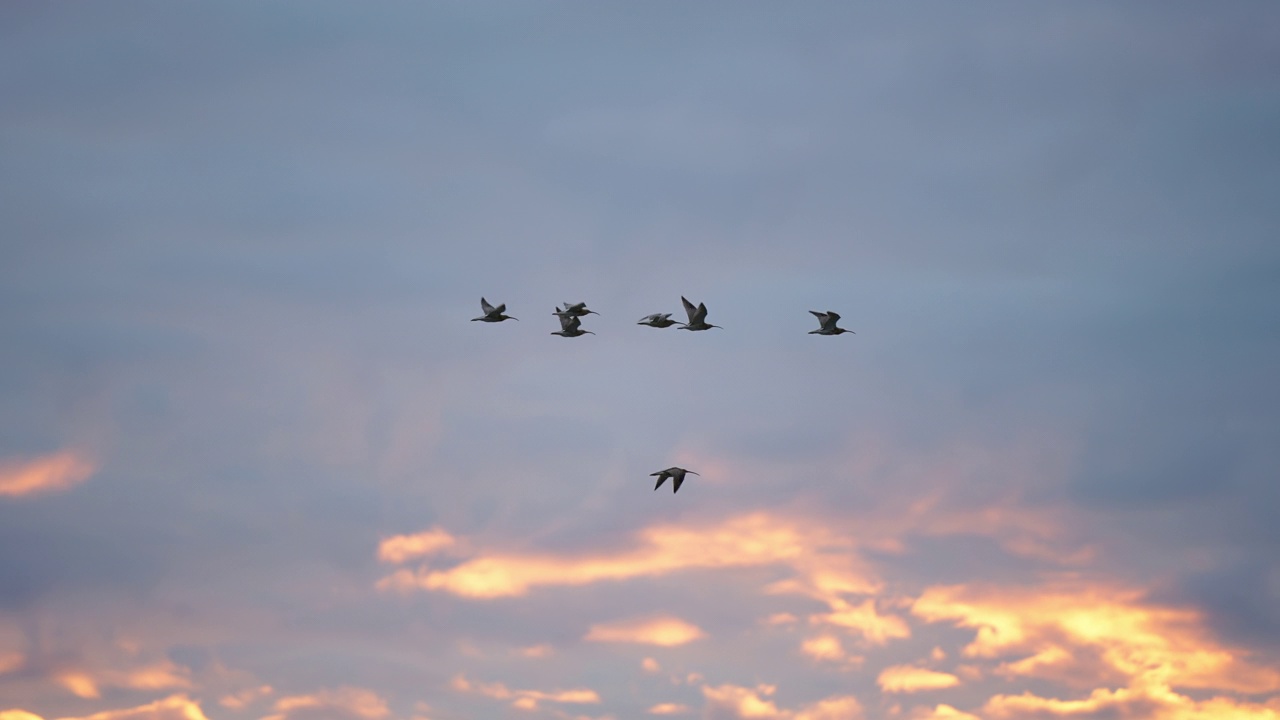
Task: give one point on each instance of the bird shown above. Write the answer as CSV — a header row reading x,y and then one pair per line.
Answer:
x,y
571,326
576,309
658,320
675,473
828,321
697,316
493,314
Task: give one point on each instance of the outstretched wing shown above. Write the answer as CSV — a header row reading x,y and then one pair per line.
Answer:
x,y
830,322
662,477
569,323
822,317
650,318
487,308
702,313
676,481
689,309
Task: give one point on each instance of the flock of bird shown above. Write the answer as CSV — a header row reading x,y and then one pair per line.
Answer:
x,y
571,326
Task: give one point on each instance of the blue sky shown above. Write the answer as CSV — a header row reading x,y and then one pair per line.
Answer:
x,y
255,461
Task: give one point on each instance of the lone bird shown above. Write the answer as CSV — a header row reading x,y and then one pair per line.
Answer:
x,y
658,320
675,473
571,326
576,310
493,314
697,316
828,321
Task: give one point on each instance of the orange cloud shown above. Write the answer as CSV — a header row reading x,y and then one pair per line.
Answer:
x,y
244,698
650,665
157,676
1150,703
908,679
345,703
941,712
751,540
665,631
523,699
18,715
823,647
1075,635
175,707
659,709
732,701
875,628
399,549
45,474
11,661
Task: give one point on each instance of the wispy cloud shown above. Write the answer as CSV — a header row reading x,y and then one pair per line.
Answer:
x,y
666,631
344,703
45,474
909,679
524,699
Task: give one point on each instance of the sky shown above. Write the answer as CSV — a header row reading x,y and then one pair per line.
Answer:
x,y
257,463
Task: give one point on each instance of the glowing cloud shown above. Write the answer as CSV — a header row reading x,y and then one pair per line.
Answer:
x,y
10,661
659,709
45,474
523,699
399,549
18,715
664,631
732,701
1148,703
344,702
875,628
908,679
1068,633
650,665
823,647
242,699
751,540
157,676
941,712
175,707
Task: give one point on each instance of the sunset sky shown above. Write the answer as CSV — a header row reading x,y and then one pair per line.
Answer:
x,y
257,463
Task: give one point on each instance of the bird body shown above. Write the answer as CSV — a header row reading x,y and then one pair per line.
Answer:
x,y
675,473
493,314
571,326
575,309
658,320
697,316
827,320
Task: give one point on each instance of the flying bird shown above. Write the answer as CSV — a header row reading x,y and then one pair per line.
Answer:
x,y
576,309
571,326
493,314
697,316
675,473
828,321
658,320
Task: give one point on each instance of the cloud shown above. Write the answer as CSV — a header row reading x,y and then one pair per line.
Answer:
x,y
650,665
659,709
1075,635
1149,703
875,628
823,647
242,699
344,703
48,473
941,712
523,699
174,707
156,676
18,715
749,540
733,702
908,679
11,661
665,631
399,549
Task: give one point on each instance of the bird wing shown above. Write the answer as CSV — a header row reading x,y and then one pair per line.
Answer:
x,y
833,315
569,323
702,313
500,309
689,309
650,318
677,481
486,307
822,317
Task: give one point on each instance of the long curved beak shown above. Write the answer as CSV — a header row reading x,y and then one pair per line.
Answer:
x,y
693,473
